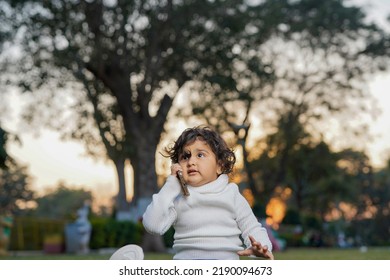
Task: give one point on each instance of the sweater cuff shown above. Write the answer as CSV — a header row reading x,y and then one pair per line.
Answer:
x,y
171,189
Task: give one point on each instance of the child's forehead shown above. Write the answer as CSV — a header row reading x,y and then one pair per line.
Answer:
x,y
197,142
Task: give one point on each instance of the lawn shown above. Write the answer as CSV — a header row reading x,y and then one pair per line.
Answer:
x,y
372,253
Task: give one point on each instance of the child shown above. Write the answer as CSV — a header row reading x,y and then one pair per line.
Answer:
x,y
215,219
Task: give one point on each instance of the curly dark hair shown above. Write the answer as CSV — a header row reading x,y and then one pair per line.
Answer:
x,y
225,156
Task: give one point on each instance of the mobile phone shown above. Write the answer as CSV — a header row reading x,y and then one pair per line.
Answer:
x,y
183,183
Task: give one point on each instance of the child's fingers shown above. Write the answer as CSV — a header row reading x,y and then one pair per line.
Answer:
x,y
270,255
256,244
258,249
246,252
175,168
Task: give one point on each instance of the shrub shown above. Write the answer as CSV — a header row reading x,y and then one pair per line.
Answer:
x,y
107,232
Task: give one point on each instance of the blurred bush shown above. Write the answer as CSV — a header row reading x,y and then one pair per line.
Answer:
x,y
107,232
30,233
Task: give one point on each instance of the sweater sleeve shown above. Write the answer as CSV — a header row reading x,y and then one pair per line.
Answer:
x,y
161,214
249,225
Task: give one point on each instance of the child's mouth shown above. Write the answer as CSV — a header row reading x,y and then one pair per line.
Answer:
x,y
191,172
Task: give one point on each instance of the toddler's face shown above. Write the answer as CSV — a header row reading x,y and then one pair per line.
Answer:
x,y
199,164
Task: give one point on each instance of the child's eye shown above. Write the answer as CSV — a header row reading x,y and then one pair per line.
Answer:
x,y
200,155
185,156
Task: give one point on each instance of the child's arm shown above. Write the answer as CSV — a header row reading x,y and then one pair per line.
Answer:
x,y
251,230
161,214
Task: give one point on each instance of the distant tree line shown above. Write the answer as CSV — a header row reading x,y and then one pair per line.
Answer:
x,y
341,188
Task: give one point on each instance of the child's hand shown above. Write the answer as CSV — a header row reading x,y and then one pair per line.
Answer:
x,y
174,168
256,249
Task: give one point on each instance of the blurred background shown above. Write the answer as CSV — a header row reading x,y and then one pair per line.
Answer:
x,y
92,91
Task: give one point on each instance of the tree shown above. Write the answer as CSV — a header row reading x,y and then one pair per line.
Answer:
x,y
358,174
283,152
318,178
3,153
315,179
380,198
110,134
136,54
5,37
15,188
309,73
62,202
140,54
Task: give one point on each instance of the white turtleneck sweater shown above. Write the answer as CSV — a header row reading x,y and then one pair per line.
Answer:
x,y
212,223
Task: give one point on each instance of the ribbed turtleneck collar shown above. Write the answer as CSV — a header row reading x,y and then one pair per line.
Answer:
x,y
212,187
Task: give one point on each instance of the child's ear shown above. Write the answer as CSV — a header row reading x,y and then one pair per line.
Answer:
x,y
219,169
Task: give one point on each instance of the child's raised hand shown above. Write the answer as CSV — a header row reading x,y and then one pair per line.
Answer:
x,y
174,168
256,249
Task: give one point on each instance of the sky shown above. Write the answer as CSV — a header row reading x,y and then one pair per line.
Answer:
x,y
51,160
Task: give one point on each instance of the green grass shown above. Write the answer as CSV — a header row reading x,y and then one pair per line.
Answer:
x,y
373,253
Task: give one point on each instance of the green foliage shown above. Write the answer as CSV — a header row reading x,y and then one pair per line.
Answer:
x,y
15,190
292,217
111,233
312,222
299,229
3,153
28,233
169,237
292,239
61,202
259,209
372,222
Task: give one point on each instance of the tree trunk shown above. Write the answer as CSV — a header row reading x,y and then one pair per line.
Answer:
x,y
249,172
241,132
121,199
145,185
144,163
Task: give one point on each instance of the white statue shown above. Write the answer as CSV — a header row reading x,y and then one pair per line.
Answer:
x,y
78,234
84,229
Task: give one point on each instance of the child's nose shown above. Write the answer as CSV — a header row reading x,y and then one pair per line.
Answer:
x,y
191,160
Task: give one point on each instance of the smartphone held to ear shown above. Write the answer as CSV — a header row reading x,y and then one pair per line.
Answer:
x,y
182,183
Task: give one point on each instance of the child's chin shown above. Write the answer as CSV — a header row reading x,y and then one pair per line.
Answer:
x,y
193,183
